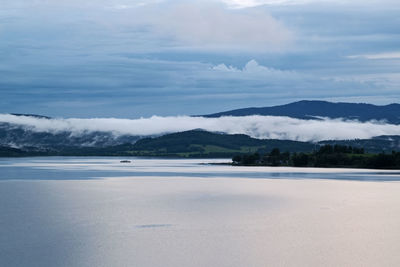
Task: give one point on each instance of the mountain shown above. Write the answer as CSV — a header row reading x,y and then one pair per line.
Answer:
x,y
198,143
313,109
12,135
31,115
6,151
207,144
195,143
18,140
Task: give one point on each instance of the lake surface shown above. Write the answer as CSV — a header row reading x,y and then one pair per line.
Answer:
x,y
66,211
84,168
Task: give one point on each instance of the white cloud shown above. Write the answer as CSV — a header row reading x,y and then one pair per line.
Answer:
x,y
211,25
253,3
253,69
255,126
392,55
202,25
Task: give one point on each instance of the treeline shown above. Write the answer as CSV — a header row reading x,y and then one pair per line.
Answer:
x,y
325,156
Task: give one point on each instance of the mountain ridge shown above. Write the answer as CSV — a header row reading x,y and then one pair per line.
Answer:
x,y
307,109
201,144
312,109
15,137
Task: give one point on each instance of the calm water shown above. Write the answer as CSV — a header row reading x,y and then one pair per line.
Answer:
x,y
66,211
83,168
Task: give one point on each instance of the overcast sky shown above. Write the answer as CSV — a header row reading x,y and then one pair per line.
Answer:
x,y
131,58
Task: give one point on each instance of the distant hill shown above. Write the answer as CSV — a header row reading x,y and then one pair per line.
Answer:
x,y
31,115
195,143
17,140
199,143
12,135
6,151
311,109
203,143
206,144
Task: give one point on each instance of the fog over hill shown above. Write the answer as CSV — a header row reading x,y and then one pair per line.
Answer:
x,y
309,121
26,136
32,130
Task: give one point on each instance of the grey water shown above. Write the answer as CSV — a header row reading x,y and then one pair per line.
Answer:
x,y
81,211
83,168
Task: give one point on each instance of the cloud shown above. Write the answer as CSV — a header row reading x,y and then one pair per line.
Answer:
x,y
268,127
126,59
390,55
270,80
253,68
156,24
253,3
208,25
131,87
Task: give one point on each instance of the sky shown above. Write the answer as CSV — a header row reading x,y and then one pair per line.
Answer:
x,y
134,58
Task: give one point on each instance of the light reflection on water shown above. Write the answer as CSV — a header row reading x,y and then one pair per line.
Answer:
x,y
61,211
83,168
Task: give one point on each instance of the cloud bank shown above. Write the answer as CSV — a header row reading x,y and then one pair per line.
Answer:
x,y
265,127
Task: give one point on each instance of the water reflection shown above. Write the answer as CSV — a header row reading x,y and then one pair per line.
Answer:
x,y
62,212
73,168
